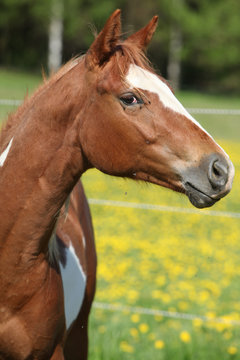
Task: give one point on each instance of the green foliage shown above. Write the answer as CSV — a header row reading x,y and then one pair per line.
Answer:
x,y
210,30
23,25
212,35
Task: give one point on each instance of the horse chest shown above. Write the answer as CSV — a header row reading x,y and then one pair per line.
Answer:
x,y
74,285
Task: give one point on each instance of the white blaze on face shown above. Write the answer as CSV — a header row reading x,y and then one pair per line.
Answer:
x,y
4,155
142,79
74,285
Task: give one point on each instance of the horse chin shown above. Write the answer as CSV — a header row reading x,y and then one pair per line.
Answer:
x,y
198,198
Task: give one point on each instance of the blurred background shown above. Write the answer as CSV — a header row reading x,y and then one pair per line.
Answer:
x,y
168,275
196,45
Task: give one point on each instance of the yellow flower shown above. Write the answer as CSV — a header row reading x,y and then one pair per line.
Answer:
x,y
134,333
135,318
185,336
132,296
183,305
210,315
158,317
156,294
166,298
159,344
143,328
232,350
160,280
197,322
125,347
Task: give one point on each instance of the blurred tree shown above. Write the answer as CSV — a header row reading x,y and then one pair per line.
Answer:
x,y
23,34
196,44
175,46
211,43
55,36
83,18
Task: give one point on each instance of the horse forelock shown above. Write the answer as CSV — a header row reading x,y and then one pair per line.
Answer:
x,y
126,54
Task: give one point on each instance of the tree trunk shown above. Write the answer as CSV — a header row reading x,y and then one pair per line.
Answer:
x,y
175,48
55,36
174,58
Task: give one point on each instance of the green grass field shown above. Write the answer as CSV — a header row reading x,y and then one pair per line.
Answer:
x,y
177,262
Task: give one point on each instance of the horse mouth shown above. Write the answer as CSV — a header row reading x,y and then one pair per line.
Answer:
x,y
198,198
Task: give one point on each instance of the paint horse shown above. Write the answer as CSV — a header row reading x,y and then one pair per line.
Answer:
x,y
108,110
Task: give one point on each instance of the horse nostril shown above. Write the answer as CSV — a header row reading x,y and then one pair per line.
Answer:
x,y
218,174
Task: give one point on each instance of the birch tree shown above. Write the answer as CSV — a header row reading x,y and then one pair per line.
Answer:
x,y
55,41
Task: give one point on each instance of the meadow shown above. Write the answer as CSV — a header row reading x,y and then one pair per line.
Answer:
x,y
184,265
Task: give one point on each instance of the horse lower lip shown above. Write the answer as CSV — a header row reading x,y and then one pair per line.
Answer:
x,y
198,198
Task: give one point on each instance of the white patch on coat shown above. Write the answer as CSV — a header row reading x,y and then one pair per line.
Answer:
x,y
74,285
84,241
4,155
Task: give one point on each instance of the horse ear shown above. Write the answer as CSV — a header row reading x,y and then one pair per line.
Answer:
x,y
105,43
143,37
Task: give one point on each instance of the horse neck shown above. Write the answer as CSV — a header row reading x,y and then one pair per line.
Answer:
x,y
42,166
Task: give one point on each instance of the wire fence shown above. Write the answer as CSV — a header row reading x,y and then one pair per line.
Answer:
x,y
12,102
159,312
164,313
163,208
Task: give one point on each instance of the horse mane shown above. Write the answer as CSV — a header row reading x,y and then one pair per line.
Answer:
x,y
14,118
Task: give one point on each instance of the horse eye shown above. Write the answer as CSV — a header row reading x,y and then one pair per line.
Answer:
x,y
130,100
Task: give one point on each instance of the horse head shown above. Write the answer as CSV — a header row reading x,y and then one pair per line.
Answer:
x,y
135,127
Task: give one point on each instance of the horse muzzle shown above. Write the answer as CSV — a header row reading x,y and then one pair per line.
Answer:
x,y
210,181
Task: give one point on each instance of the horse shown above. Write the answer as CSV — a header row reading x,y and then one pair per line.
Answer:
x,y
109,110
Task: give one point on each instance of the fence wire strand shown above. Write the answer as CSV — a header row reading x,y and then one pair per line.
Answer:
x,y
12,102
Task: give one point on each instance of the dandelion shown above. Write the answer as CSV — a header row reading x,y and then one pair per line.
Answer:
x,y
156,294
220,327
166,298
178,289
134,332
197,323
126,347
210,315
232,350
183,305
132,296
203,296
135,318
185,337
158,317
160,280
143,328
159,344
